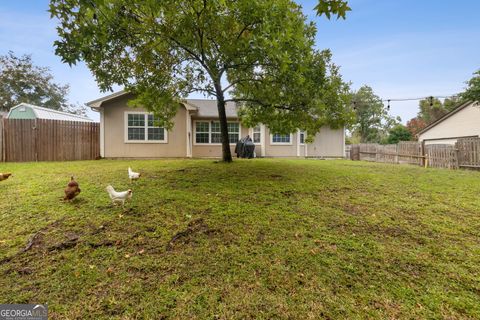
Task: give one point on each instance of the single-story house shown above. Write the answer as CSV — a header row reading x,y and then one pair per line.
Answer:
x,y
127,132
29,111
461,122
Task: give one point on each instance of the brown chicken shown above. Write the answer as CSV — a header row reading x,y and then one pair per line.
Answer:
x,y
4,176
72,190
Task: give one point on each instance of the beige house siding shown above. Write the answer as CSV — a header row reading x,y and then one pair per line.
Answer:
x,y
114,113
329,143
212,150
464,123
181,143
280,150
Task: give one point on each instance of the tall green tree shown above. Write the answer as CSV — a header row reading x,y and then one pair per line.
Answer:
x,y
432,109
398,133
230,50
22,81
372,119
472,92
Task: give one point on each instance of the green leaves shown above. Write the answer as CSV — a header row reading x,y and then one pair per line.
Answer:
x,y
335,7
372,119
22,81
472,91
259,52
398,133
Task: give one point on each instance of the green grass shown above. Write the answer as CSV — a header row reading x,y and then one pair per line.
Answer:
x,y
265,239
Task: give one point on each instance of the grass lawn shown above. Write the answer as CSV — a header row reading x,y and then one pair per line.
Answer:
x,y
259,239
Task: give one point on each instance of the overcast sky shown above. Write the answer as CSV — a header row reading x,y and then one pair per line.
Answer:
x,y
402,49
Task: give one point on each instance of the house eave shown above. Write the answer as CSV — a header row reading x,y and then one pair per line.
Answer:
x,y
446,116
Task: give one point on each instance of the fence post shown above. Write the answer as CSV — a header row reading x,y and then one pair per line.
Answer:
x,y
2,140
424,154
395,159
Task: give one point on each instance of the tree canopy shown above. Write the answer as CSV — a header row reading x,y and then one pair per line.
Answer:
x,y
372,119
415,125
22,81
258,53
472,92
432,109
398,133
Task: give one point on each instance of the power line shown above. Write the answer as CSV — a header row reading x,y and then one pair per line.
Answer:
x,y
430,98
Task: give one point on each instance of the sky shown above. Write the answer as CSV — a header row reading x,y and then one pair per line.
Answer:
x,y
401,48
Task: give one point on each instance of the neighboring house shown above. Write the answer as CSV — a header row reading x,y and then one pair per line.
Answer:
x,y
461,122
127,132
29,111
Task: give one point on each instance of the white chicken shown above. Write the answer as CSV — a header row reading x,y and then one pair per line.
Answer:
x,y
133,175
119,197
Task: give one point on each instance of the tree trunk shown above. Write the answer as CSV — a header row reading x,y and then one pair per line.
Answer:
x,y
222,117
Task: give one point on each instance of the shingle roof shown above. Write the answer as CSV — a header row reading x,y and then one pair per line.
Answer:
x,y
50,114
205,108
208,108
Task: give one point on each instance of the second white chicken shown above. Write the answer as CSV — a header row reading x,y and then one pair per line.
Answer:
x,y
119,196
133,175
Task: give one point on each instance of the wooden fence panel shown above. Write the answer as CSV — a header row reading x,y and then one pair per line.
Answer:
x,y
442,156
355,152
387,153
468,152
368,151
410,152
50,140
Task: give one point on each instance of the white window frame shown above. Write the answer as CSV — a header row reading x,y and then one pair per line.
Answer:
x,y
146,114
281,143
210,133
252,134
300,132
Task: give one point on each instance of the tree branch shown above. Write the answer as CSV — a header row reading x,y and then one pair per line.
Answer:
x,y
239,81
194,89
262,104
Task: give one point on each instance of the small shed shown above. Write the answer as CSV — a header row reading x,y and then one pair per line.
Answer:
x,y
29,111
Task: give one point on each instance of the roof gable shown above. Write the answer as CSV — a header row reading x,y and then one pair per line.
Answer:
x,y
446,116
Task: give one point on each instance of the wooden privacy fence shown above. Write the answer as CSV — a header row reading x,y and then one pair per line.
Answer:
x,y
49,140
468,152
441,156
464,154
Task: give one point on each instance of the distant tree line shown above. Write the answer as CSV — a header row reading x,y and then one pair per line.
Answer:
x,y
22,81
374,124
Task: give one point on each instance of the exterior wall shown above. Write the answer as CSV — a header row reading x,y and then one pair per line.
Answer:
x,y
464,123
441,141
114,135
280,150
328,143
17,114
213,150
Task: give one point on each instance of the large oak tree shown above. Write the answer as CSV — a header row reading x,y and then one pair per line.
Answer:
x,y
258,53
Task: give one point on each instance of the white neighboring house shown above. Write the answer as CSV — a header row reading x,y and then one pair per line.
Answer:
x,y
461,122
